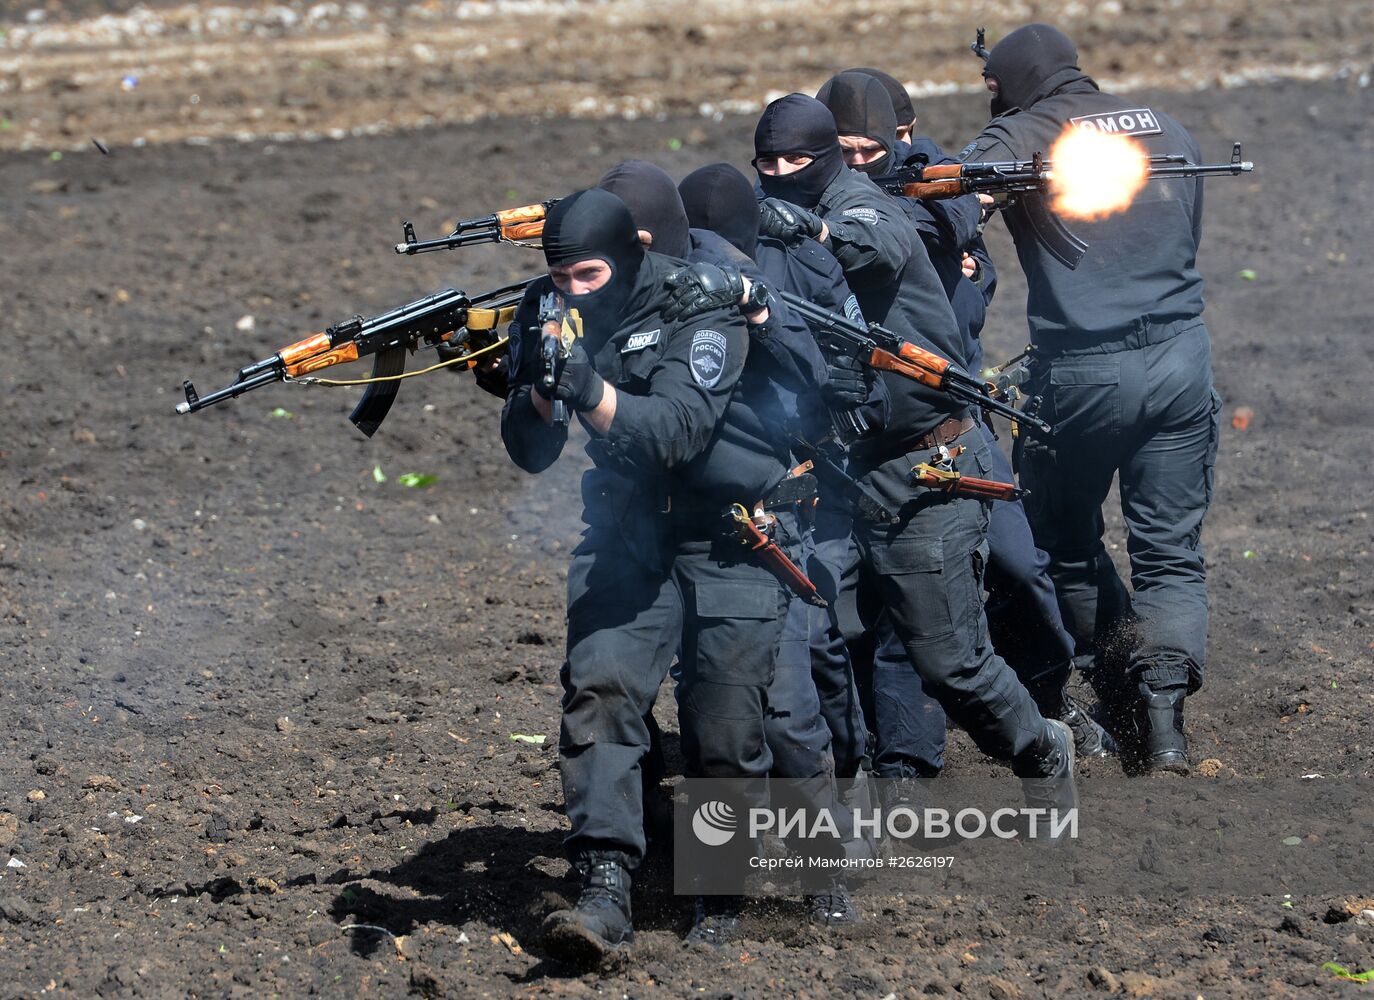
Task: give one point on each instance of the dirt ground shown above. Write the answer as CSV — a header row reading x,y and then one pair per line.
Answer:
x,y
252,698
252,68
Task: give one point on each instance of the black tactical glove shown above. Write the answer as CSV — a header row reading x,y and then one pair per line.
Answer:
x,y
787,222
846,383
578,383
699,288
490,370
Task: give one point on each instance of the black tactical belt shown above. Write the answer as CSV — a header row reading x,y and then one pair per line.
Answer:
x,y
1143,332
792,490
942,434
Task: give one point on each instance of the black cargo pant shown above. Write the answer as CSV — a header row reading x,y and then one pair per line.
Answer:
x,y
626,620
1025,625
928,573
832,565
814,702
801,732
1141,408
1024,619
798,736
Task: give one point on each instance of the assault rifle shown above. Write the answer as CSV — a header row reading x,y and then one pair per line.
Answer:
x,y
510,225
880,348
449,317
1015,179
559,327
1010,177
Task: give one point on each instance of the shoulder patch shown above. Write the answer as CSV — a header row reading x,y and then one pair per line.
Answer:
x,y
963,153
639,341
852,311
707,357
1133,121
868,215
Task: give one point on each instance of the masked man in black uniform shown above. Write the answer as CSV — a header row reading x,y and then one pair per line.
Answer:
x,y
1127,384
874,143
813,654
1023,614
654,573
929,565
783,366
720,198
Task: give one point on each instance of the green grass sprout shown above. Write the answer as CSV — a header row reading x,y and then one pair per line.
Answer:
x,y
1341,972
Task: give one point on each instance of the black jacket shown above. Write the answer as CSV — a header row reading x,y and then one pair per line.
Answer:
x,y
812,272
1141,263
950,227
890,273
784,364
784,352
960,217
675,383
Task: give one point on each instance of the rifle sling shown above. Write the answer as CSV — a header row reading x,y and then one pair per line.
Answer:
x,y
489,319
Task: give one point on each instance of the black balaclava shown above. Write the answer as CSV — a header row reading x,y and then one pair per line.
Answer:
x,y
595,224
720,198
1030,64
861,107
901,100
651,196
800,126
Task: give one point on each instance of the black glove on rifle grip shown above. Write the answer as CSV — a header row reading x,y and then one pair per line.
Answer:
x,y
846,383
578,383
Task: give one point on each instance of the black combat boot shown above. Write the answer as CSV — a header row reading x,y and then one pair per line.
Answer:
x,y
1089,738
905,792
1164,747
909,791
832,907
1047,778
715,920
600,922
